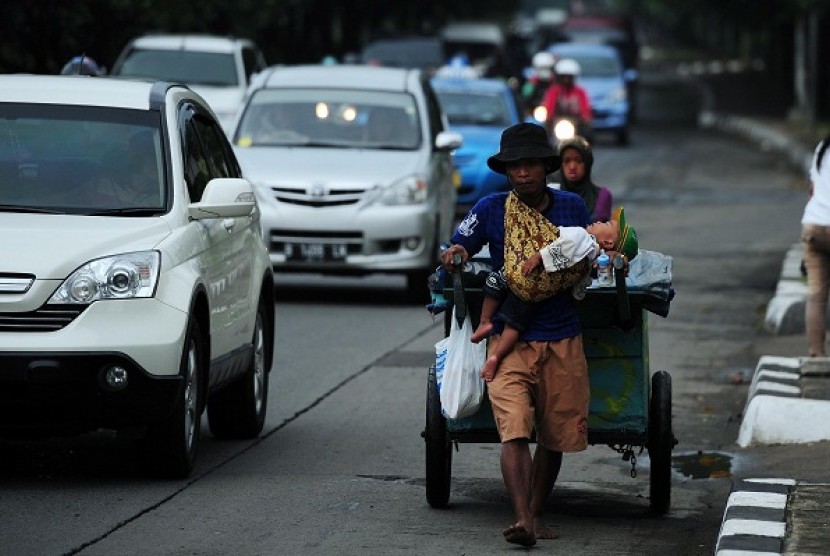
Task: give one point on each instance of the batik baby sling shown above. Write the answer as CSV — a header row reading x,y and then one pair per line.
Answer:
x,y
526,231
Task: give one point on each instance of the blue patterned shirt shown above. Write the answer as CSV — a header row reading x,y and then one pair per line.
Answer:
x,y
556,317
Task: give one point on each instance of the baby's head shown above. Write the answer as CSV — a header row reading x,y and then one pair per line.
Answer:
x,y
616,235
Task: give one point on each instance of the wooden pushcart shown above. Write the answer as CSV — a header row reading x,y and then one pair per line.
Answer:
x,y
630,409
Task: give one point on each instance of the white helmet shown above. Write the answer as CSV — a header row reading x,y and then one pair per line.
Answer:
x,y
567,66
543,64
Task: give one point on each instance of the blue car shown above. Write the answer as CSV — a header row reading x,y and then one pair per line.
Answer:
x,y
606,81
479,109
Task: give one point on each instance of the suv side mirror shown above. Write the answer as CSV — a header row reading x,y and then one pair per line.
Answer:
x,y
224,198
448,141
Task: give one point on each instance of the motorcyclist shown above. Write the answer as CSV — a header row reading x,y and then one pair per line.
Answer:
x,y
82,65
541,78
566,99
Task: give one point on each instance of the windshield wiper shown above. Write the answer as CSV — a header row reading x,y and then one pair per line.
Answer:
x,y
331,145
133,211
24,208
388,147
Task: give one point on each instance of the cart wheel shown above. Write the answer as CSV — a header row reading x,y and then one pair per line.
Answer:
x,y
438,448
660,441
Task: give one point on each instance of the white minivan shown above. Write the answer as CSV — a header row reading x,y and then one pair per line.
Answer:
x,y
353,169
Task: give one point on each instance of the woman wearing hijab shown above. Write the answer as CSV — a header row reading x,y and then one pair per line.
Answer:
x,y
575,176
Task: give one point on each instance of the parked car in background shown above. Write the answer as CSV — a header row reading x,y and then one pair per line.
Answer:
x,y
479,109
353,169
218,68
137,290
425,53
603,77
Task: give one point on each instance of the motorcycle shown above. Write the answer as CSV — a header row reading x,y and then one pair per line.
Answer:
x,y
563,127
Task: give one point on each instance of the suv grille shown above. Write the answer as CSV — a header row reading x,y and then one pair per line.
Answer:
x,y
45,319
317,197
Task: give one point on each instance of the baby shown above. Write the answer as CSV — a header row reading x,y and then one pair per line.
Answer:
x,y
575,246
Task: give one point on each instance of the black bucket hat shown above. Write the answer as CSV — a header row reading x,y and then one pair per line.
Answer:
x,y
524,140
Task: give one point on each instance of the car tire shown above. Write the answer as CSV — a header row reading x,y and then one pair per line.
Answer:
x,y
170,447
238,410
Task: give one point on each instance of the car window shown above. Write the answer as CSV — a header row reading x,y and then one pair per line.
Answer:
x,y
597,66
427,54
194,68
475,108
436,113
253,61
330,118
196,167
205,150
80,159
212,143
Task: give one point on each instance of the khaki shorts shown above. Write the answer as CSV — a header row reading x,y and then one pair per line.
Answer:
x,y
545,383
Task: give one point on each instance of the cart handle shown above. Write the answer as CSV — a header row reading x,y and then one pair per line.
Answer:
x,y
623,304
458,291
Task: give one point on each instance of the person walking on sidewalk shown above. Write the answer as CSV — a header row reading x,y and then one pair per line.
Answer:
x,y
815,235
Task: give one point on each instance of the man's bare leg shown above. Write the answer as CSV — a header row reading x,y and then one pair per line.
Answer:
x,y
546,465
517,472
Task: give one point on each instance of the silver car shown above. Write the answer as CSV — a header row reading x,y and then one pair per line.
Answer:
x,y
353,169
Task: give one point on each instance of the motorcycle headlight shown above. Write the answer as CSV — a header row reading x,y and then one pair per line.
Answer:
x,y
564,129
125,276
410,190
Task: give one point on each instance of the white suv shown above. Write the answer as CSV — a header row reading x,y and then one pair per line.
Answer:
x,y
135,288
218,68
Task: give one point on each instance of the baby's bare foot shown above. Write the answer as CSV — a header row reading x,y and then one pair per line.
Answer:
x,y
481,332
488,372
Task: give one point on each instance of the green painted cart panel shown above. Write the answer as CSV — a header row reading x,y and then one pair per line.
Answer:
x,y
618,367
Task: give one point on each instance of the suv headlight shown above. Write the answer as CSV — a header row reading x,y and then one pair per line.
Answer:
x,y
411,190
125,276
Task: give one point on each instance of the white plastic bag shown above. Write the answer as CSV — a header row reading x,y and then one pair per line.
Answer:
x,y
461,387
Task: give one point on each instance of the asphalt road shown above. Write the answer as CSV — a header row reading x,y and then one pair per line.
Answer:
x,y
340,466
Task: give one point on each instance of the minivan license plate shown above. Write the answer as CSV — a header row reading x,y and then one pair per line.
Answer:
x,y
315,251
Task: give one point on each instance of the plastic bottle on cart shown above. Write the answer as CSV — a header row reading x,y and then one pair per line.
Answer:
x,y
604,276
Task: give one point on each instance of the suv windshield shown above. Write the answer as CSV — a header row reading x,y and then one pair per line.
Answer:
x,y
194,68
80,160
331,118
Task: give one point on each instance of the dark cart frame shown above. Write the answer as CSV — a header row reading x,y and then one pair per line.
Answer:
x,y
628,411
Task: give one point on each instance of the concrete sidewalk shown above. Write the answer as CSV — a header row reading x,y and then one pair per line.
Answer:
x,y
789,398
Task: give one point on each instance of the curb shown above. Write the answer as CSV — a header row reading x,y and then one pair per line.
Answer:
x,y
767,137
785,311
755,518
776,411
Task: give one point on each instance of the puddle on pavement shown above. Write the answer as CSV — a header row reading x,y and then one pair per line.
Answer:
x,y
703,465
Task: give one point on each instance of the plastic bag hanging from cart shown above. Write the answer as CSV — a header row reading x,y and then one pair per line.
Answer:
x,y
460,385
